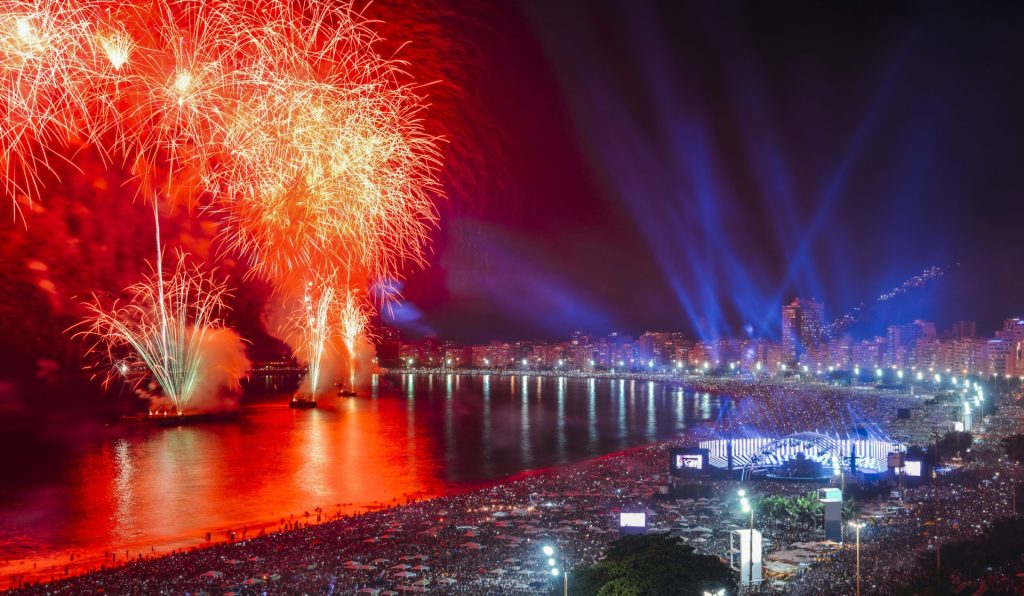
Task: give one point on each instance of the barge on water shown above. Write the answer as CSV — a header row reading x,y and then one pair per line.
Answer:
x,y
302,403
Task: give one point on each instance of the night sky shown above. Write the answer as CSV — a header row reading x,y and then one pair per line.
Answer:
x,y
692,165
611,166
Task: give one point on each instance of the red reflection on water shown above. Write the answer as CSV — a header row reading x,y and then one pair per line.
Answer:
x,y
159,489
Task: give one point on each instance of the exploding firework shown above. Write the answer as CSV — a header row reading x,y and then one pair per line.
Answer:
x,y
355,319
328,319
283,116
170,331
311,330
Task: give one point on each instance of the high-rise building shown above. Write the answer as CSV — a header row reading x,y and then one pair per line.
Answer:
x,y
963,330
803,327
1013,335
389,346
840,352
902,339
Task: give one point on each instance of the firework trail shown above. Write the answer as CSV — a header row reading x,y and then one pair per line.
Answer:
x,y
311,331
862,310
355,319
281,119
170,331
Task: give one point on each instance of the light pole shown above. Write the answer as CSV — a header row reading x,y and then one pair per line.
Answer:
x,y
549,551
858,525
745,505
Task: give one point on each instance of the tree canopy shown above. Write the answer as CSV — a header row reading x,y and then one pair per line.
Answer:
x,y
652,564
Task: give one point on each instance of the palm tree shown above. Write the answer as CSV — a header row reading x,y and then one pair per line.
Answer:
x,y
850,509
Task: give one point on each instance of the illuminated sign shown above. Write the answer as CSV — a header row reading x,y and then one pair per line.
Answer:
x,y
632,520
912,468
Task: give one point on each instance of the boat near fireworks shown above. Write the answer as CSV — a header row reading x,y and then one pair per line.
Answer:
x,y
302,403
346,393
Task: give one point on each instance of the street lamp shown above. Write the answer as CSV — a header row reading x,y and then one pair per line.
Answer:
x,y
745,506
857,525
549,552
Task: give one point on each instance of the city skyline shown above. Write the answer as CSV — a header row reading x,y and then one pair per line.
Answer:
x,y
953,327
911,348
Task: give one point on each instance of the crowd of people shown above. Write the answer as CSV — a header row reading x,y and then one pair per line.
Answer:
x,y
491,540
955,507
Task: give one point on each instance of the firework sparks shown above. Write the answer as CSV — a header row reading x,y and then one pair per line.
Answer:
x,y
161,332
170,331
354,322
296,129
280,117
312,329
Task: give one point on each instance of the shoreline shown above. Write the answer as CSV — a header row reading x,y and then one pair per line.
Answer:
x,y
88,566
87,561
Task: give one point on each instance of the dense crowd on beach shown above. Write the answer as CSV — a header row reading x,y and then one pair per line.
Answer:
x,y
491,540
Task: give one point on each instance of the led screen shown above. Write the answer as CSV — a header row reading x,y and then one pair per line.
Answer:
x,y
632,520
